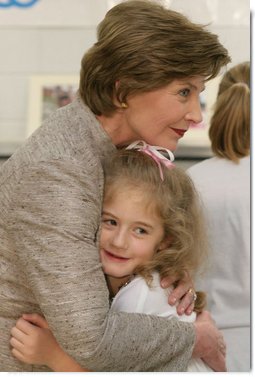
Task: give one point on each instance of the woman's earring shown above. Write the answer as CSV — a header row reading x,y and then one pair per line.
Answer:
x,y
124,105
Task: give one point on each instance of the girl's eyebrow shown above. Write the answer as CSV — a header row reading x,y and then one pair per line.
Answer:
x,y
137,223
108,213
146,225
143,224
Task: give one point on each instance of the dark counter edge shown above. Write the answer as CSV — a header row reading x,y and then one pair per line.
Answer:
x,y
184,152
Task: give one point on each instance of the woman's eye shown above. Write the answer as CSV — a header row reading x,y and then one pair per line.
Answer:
x,y
184,92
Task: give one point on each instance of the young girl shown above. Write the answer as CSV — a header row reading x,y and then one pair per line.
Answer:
x,y
151,228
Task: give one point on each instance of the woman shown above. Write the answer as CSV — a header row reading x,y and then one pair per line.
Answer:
x,y
224,184
137,82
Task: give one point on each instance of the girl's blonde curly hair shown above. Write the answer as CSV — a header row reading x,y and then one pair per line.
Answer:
x,y
175,201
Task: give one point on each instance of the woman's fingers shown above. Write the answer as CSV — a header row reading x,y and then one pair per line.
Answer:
x,y
188,301
222,346
166,282
186,304
190,308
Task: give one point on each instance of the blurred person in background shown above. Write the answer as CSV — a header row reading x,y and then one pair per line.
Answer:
x,y
224,184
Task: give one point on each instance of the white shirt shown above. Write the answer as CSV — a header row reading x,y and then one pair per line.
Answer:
x,y
138,297
224,187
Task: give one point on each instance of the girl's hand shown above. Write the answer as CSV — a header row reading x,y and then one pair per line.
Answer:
x,y
32,340
183,293
34,343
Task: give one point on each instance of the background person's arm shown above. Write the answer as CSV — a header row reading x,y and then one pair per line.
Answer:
x,y
53,222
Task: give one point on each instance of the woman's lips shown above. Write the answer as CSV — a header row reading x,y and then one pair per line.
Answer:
x,y
115,257
179,131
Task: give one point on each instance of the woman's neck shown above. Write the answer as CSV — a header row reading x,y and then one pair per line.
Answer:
x,y
116,128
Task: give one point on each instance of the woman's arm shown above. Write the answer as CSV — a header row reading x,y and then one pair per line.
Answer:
x,y
210,344
34,343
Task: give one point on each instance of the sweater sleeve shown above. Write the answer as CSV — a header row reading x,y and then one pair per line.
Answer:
x,y
54,220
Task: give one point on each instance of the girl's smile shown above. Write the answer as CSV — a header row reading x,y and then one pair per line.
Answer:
x,y
114,257
131,234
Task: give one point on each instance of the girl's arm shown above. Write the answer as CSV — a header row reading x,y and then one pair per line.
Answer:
x,y
34,343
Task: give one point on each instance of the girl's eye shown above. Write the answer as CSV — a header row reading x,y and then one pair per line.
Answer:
x,y
184,92
140,231
110,222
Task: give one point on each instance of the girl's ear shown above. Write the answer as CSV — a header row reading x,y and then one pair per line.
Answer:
x,y
165,243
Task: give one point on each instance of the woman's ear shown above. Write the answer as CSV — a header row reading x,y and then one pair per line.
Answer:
x,y
120,104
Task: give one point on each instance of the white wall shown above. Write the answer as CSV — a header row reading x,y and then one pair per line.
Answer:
x,y
51,37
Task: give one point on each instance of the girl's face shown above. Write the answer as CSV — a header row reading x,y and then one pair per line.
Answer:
x,y
161,117
131,233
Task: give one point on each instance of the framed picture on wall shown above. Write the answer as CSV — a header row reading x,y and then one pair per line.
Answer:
x,y
197,136
46,94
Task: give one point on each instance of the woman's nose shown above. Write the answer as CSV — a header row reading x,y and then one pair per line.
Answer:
x,y
195,114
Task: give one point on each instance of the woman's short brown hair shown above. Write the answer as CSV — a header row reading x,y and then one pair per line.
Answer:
x,y
229,130
144,46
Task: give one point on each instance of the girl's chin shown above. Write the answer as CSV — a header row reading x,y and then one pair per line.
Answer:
x,y
115,274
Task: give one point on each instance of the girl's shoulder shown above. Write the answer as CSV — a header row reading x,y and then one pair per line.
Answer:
x,y
129,296
139,297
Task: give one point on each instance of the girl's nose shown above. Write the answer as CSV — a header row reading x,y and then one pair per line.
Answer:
x,y
119,239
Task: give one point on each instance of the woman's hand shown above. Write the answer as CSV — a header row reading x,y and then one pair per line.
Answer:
x,y
183,293
210,345
34,343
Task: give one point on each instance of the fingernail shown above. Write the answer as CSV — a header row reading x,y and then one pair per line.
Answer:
x,y
181,310
173,300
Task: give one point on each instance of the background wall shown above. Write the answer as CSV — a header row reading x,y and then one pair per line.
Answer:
x,y
51,36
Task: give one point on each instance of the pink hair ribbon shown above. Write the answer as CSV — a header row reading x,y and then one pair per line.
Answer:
x,y
155,152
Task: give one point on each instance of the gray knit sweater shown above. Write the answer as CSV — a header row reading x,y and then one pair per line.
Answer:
x,y
50,198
